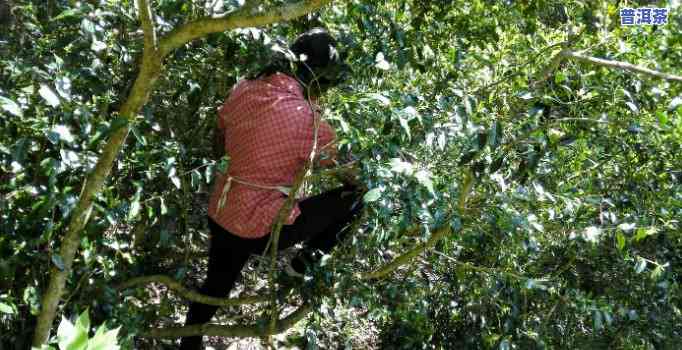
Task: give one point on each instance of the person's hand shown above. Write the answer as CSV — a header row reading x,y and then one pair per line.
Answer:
x,y
349,174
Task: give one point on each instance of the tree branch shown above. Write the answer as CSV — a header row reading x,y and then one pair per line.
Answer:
x,y
147,21
283,214
620,65
466,187
407,257
244,17
253,331
557,59
549,69
188,293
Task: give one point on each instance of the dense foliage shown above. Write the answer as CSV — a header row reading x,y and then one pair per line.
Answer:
x,y
569,238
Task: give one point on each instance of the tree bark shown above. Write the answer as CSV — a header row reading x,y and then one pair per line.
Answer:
x,y
252,331
189,294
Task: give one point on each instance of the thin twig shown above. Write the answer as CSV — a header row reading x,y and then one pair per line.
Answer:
x,y
488,270
556,60
284,213
517,68
620,65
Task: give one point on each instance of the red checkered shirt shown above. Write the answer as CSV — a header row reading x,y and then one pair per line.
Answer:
x,y
268,131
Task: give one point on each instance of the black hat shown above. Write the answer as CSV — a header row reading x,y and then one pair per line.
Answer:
x,y
318,60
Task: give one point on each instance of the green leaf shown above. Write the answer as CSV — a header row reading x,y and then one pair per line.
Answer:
x,y
58,261
383,100
381,63
118,123
424,178
627,227
176,181
223,164
70,337
640,265
643,233
504,345
657,272
49,95
44,347
559,77
88,26
11,106
598,320
676,102
195,178
493,134
620,241
526,95
83,322
6,309
134,207
74,12
138,137
60,132
592,234
104,340
164,208
404,124
372,196
400,166
98,46
633,107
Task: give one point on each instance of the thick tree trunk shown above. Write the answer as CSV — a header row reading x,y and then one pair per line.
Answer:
x,y
150,70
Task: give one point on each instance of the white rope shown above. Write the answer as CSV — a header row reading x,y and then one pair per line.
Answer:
x,y
228,184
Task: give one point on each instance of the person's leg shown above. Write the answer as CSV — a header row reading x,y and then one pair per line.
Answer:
x,y
227,255
322,222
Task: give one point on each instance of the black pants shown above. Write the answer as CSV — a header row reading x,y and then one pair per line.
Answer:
x,y
321,225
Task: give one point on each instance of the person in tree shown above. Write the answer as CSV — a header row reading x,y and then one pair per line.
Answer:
x,y
267,128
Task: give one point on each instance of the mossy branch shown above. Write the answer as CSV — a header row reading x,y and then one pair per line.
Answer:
x,y
189,294
236,331
147,24
247,16
465,190
149,72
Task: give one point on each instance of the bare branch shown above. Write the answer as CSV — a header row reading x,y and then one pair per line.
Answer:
x,y
253,331
237,19
620,65
188,293
147,21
